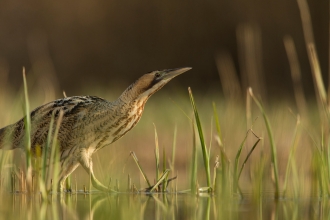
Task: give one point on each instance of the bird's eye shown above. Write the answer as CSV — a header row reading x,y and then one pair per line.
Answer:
x,y
157,74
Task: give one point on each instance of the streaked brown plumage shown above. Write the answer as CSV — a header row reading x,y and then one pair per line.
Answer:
x,y
89,123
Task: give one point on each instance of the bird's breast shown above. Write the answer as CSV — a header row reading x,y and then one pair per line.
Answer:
x,y
130,119
124,122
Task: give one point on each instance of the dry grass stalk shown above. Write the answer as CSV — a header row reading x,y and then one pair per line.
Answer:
x,y
296,75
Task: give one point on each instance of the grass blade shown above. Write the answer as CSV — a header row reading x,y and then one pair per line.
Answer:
x,y
247,157
54,157
201,137
216,166
193,176
140,168
295,75
172,162
164,169
174,148
156,153
27,133
216,118
272,143
43,180
291,160
160,180
317,76
223,186
238,155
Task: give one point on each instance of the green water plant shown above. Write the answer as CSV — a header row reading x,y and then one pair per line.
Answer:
x,y
27,124
156,153
272,143
193,165
206,156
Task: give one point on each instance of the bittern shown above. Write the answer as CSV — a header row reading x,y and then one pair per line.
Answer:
x,y
89,123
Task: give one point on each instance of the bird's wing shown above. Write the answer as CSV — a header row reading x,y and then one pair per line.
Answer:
x,y
73,108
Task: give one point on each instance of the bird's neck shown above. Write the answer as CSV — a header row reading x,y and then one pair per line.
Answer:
x,y
125,113
139,91
129,95
131,106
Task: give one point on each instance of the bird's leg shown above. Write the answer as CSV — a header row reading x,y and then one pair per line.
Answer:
x,y
65,173
87,164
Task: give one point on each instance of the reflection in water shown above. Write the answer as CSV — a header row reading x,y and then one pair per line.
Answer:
x,y
157,206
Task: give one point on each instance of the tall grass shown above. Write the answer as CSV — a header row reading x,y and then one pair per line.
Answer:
x,y
54,156
272,144
193,163
156,153
226,176
248,156
140,168
222,172
224,182
174,148
161,180
27,125
291,166
238,154
206,157
43,179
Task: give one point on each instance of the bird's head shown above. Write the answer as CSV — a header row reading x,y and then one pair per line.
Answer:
x,y
151,82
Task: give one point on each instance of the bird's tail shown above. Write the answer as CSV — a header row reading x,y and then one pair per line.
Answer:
x,y
1,136
6,138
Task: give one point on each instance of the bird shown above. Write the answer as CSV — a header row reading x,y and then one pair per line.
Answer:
x,y
89,123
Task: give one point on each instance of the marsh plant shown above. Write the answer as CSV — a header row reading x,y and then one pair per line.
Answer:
x,y
176,164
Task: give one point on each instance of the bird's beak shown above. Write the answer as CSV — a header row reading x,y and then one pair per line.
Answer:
x,y
171,73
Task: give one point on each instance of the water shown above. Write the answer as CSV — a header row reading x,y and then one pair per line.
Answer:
x,y
158,206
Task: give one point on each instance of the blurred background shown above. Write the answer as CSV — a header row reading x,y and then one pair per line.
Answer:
x,y
100,47
109,43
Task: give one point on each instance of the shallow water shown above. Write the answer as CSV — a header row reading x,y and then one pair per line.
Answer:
x,y
158,206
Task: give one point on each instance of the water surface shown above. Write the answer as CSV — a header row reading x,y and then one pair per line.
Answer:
x,y
158,206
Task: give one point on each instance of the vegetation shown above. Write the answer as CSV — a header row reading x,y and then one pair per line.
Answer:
x,y
283,155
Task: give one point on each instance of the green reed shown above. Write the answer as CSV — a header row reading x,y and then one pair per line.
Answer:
x,y
201,137
27,124
272,143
